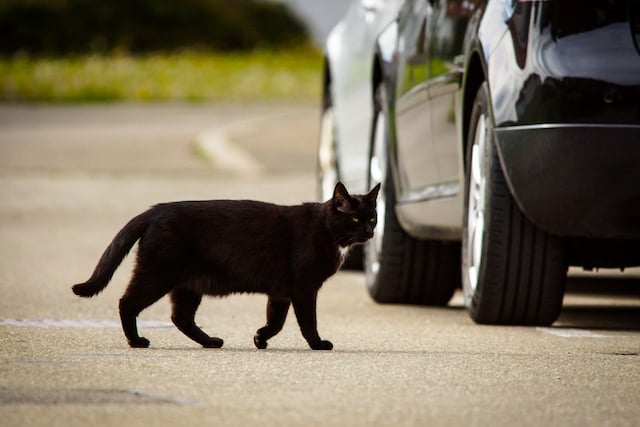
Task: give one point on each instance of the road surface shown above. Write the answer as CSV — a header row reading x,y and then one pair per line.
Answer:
x,y
71,176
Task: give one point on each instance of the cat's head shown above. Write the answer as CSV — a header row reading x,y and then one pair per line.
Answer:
x,y
353,217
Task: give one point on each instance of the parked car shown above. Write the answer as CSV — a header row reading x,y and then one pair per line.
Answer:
x,y
347,107
347,77
507,136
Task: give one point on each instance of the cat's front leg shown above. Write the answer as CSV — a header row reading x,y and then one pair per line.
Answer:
x,y
304,305
277,309
321,345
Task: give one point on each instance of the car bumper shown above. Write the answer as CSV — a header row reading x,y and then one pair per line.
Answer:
x,y
573,179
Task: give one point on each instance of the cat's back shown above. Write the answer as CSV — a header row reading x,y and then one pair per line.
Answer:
x,y
215,226
233,210
214,210
229,217
232,229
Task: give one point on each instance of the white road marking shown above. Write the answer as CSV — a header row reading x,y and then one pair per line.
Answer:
x,y
69,323
572,333
220,150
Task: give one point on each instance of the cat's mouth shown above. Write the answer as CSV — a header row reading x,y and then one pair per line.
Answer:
x,y
355,239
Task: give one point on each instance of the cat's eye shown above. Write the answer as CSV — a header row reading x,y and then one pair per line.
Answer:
x,y
355,219
372,220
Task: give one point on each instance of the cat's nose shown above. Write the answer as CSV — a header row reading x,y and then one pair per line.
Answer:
x,y
369,231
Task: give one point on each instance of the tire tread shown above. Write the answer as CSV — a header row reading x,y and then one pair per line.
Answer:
x,y
523,270
414,271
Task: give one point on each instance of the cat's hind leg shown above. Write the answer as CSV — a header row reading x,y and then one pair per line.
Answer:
x,y
277,309
185,303
142,291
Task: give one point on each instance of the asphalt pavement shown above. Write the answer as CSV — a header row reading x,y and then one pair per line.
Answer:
x,y
71,176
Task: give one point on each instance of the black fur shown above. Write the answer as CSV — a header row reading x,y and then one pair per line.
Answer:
x,y
221,247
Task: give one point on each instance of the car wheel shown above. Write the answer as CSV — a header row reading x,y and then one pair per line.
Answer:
x,y
327,170
398,267
512,272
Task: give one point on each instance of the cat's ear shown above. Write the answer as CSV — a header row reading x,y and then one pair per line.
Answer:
x,y
373,194
340,197
340,191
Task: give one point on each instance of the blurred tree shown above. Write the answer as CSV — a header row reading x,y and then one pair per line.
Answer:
x,y
53,27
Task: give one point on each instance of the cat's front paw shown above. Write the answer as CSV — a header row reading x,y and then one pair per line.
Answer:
x,y
321,345
140,342
213,342
260,343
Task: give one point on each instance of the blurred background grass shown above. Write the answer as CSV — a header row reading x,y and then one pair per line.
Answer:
x,y
148,50
291,74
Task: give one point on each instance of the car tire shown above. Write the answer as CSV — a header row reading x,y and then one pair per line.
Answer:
x,y
513,273
328,173
399,268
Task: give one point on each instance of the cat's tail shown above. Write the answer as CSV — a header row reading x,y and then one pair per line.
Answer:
x,y
113,256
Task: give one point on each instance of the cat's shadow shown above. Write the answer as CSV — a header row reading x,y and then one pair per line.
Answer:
x,y
285,350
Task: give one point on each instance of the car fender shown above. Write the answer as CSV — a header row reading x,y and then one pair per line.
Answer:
x,y
333,46
385,63
485,30
332,56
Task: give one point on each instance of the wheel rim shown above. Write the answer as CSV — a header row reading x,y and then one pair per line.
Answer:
x,y
327,159
377,174
476,205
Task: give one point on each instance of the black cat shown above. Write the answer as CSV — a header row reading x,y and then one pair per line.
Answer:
x,y
221,247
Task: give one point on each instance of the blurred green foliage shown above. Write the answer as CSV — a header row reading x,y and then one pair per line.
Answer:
x,y
192,76
55,27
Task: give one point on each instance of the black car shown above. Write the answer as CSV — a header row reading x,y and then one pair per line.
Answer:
x,y
507,135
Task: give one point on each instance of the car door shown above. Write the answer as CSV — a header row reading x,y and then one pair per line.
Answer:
x,y
416,161
428,149
446,35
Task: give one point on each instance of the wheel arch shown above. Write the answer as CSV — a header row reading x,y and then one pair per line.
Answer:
x,y
326,83
474,78
376,75
383,74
